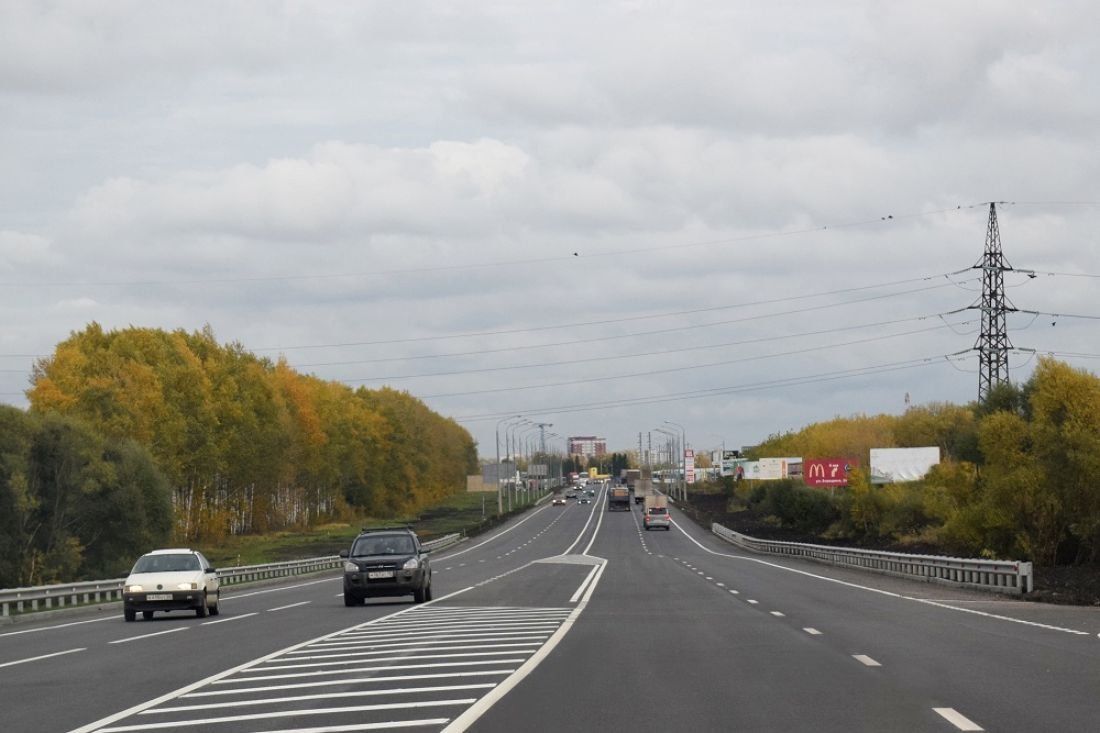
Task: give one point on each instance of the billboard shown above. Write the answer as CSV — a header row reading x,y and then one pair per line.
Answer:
x,y
771,469
895,465
827,471
689,465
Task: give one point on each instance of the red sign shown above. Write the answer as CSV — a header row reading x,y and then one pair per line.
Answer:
x,y
827,471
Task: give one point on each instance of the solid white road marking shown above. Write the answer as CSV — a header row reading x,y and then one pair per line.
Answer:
x,y
230,618
281,588
869,589
321,696
811,631
146,636
392,725
58,626
292,605
502,533
42,656
287,714
475,711
866,660
349,681
957,719
584,584
220,676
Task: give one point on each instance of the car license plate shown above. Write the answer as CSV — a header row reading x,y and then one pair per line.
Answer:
x,y
378,574
159,597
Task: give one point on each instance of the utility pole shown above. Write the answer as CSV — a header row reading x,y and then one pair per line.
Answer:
x,y
993,344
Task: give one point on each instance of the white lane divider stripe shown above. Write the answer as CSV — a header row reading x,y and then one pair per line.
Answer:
x,y
291,605
865,660
287,714
320,696
146,636
584,584
345,681
811,631
391,725
778,614
43,656
230,618
957,719
880,591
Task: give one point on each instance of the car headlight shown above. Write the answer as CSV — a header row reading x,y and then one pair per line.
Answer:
x,y
411,564
134,589
350,567
188,586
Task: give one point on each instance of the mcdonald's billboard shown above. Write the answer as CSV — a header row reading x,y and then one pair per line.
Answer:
x,y
827,471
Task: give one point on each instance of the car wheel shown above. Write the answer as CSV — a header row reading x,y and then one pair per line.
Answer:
x,y
216,608
418,594
428,592
200,611
147,615
129,614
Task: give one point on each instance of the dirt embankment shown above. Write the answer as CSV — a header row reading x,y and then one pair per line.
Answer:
x,y
1077,585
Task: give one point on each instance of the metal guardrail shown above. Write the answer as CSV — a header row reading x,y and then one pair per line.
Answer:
x,y
47,597
999,576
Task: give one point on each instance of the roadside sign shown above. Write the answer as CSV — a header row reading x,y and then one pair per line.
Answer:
x,y
827,471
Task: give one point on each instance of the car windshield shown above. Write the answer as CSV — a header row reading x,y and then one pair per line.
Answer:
x,y
383,545
167,563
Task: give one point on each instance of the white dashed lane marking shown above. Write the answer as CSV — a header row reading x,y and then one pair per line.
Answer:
x,y
866,660
957,719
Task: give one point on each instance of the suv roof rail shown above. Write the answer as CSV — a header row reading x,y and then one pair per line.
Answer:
x,y
365,530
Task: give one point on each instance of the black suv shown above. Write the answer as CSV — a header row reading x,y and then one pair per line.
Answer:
x,y
386,562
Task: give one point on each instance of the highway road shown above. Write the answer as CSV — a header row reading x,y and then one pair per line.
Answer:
x,y
570,618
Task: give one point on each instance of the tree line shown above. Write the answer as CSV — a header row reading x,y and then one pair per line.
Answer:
x,y
1018,476
221,441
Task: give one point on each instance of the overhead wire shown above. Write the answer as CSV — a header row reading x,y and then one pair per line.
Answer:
x,y
656,399
671,314
691,367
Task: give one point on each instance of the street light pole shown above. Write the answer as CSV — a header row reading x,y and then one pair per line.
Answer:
x,y
500,467
681,462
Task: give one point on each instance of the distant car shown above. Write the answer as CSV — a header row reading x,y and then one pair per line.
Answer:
x,y
386,561
657,517
558,499
584,500
171,580
570,495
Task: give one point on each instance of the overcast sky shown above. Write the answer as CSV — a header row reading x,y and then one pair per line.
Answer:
x,y
694,211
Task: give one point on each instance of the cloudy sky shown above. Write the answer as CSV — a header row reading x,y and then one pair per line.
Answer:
x,y
738,217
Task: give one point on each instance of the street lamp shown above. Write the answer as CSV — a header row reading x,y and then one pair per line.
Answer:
x,y
500,467
681,462
670,442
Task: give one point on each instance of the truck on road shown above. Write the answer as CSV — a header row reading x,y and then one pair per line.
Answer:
x,y
642,489
656,512
632,475
618,499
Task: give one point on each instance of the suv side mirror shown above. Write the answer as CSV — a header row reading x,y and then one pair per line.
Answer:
x,y
344,554
211,570
425,551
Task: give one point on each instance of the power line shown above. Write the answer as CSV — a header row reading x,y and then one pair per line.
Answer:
x,y
627,319
672,370
655,399
569,256
742,342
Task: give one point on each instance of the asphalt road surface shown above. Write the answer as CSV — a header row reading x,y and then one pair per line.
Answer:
x,y
570,619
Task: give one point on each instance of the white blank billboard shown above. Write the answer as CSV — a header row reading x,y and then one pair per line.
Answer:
x,y
895,465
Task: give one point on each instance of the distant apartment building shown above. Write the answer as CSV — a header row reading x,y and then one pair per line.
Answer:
x,y
587,446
